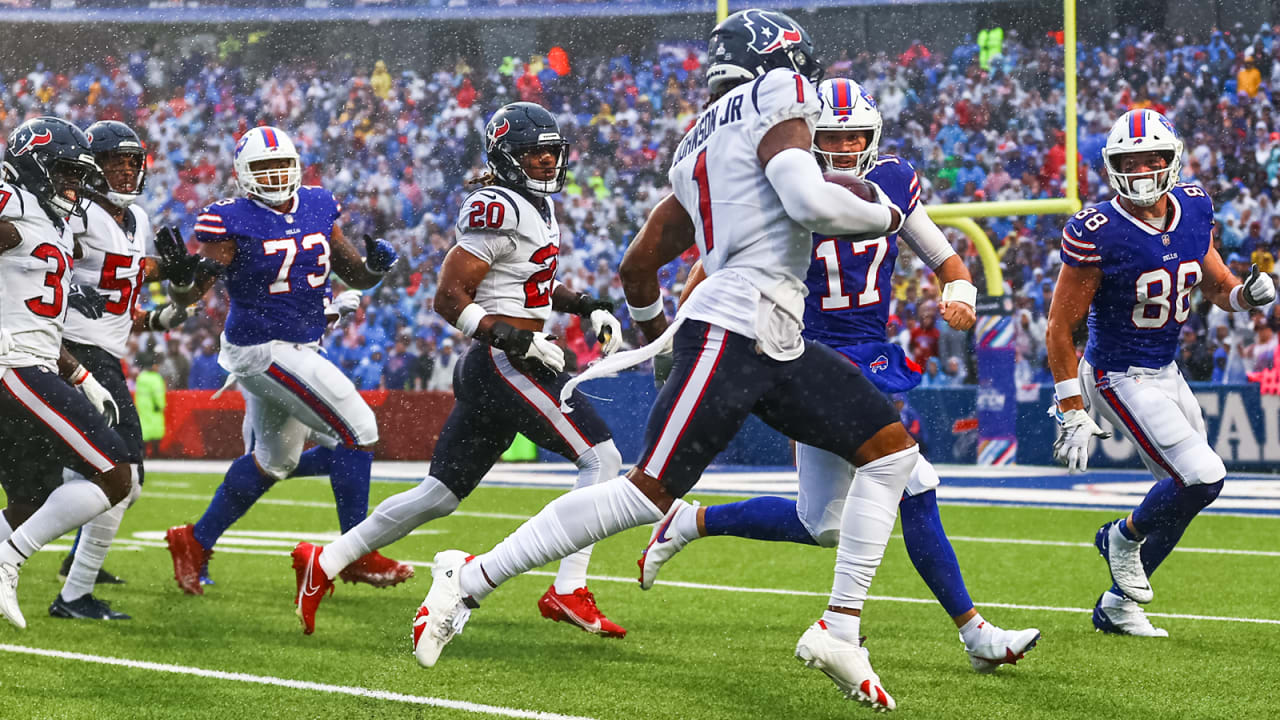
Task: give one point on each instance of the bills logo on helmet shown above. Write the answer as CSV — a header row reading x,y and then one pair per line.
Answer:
x,y
867,96
880,364
35,140
240,145
500,130
769,33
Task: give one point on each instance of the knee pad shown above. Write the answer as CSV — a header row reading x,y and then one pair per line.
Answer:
x,y
275,468
828,534
1207,469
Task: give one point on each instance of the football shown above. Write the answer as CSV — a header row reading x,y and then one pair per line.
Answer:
x,y
855,184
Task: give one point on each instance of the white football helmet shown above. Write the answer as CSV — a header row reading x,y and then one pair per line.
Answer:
x,y
1142,131
267,143
847,107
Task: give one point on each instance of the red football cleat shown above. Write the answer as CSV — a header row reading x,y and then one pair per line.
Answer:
x,y
376,570
189,556
579,608
313,584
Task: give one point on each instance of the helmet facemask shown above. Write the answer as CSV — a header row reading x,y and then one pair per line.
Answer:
x,y
513,171
120,193
70,176
863,160
273,180
1146,187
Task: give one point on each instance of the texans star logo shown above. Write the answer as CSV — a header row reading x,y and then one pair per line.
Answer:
x,y
500,130
879,364
769,32
35,140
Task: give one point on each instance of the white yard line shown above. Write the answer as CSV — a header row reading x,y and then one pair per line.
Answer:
x,y
762,591
462,705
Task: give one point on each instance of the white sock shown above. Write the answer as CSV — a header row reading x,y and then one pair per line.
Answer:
x,y
567,524
5,529
971,632
685,524
95,540
843,626
69,506
869,513
596,465
390,521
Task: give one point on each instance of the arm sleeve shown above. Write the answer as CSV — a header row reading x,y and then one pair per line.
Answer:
x,y
781,95
820,206
1077,249
925,239
210,227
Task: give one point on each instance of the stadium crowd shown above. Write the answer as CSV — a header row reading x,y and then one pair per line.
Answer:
x,y
398,145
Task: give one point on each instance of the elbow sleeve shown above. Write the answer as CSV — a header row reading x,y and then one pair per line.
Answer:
x,y
818,205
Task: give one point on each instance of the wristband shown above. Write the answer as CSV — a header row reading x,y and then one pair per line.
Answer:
x,y
960,291
646,313
469,319
1067,389
79,375
1237,299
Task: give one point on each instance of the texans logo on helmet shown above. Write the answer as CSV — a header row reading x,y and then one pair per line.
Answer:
x,y
500,130
35,140
880,364
768,33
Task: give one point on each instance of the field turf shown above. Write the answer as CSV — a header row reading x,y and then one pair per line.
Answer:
x,y
715,642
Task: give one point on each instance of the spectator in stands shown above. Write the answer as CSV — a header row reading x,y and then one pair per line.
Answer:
x,y
924,338
368,374
398,374
442,372
205,371
149,396
425,349
1195,359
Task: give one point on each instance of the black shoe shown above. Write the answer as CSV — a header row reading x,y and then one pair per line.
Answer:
x,y
85,607
104,577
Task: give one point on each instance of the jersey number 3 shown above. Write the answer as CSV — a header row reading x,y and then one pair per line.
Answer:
x,y
52,280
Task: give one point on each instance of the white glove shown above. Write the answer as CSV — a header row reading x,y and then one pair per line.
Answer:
x,y
608,330
6,342
1259,288
1074,433
97,395
347,302
544,350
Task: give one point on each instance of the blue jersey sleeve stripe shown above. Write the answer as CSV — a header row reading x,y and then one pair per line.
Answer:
x,y
1080,258
1077,243
210,229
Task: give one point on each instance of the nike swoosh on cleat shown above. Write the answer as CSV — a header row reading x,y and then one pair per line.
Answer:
x,y
591,627
419,625
662,531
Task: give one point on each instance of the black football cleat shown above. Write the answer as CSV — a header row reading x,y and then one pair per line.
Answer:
x,y
85,607
104,577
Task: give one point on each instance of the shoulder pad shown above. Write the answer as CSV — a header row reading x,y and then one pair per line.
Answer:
x,y
785,93
1195,194
491,208
12,205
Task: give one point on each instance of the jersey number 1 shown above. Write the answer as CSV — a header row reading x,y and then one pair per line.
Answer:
x,y
704,199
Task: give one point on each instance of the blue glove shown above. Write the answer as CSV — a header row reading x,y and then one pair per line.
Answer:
x,y
379,256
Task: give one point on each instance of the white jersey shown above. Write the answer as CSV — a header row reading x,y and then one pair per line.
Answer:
x,y
520,242
34,281
111,261
750,247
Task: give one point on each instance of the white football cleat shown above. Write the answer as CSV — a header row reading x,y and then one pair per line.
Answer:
x,y
664,543
9,595
996,647
846,663
445,610
1121,616
1124,560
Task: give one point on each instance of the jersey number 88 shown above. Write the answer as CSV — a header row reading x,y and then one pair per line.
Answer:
x,y
1154,288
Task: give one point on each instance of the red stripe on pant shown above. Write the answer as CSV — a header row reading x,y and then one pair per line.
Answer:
x,y
1127,418
534,405
102,463
313,402
701,392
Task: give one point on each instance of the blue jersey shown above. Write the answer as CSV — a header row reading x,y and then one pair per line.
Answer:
x,y
280,276
1147,277
851,285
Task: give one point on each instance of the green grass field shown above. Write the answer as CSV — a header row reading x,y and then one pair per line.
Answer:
x,y
692,651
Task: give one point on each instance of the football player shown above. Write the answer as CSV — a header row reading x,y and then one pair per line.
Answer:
x,y
850,289
277,245
114,240
45,424
498,285
1130,265
748,185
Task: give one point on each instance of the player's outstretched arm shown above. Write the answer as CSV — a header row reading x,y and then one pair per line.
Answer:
x,y
1222,288
191,276
667,232
822,207
350,265
1071,300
